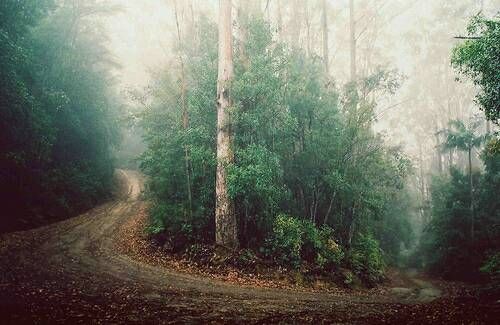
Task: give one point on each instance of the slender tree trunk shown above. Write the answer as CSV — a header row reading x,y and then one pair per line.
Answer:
x,y
471,196
438,152
280,21
325,219
352,24
351,226
421,167
295,24
225,218
308,29
193,22
185,116
324,22
243,19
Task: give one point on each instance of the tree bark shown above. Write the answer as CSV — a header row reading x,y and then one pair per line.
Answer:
x,y
352,24
243,20
471,196
226,233
325,219
352,224
280,21
308,29
438,152
324,22
295,25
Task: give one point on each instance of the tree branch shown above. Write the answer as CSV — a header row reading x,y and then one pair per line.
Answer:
x,y
467,37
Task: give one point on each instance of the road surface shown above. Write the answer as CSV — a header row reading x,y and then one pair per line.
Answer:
x,y
72,272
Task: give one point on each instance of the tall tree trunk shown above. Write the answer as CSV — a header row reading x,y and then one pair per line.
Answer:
x,y
243,20
352,225
308,29
471,196
325,219
193,22
296,25
280,20
185,116
352,24
438,151
226,232
324,22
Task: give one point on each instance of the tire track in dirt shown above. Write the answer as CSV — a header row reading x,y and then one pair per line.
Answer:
x,y
72,272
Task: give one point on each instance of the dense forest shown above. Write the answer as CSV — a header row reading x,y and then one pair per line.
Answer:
x,y
57,111
312,145
308,172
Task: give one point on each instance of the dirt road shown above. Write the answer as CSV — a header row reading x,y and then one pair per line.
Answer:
x,y
71,272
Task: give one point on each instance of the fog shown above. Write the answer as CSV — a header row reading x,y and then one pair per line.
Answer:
x,y
270,161
415,38
409,36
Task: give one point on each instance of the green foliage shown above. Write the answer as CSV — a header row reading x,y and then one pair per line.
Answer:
x,y
56,113
492,267
287,240
447,244
366,259
479,59
329,253
302,146
461,136
294,241
254,181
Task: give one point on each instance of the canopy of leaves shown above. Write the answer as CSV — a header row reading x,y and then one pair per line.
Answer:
x,y
447,242
56,113
303,148
462,137
479,59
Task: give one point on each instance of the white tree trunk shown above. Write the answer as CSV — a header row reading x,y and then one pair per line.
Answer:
x,y
353,39
324,22
225,219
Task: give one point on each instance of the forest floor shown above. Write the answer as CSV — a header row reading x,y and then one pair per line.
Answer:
x,y
90,269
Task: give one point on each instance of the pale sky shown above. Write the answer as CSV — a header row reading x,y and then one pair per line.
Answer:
x,y
141,35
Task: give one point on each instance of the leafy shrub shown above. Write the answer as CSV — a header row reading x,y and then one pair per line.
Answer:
x,y
330,253
246,259
492,269
492,266
294,241
287,239
290,128
366,260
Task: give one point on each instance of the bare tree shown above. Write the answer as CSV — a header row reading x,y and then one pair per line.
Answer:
x,y
225,219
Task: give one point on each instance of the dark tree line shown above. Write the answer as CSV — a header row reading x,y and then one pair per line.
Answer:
x,y
462,239
56,110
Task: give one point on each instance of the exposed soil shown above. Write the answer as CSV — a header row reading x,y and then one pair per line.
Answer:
x,y
86,270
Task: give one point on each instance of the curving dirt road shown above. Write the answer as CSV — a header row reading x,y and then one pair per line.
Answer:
x,y
71,272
